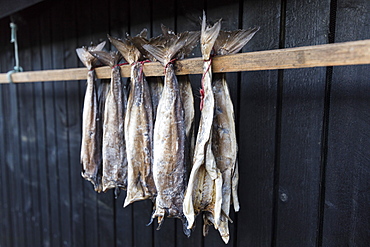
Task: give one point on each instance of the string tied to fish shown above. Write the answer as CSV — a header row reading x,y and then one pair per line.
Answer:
x,y
120,64
172,61
201,91
141,67
13,39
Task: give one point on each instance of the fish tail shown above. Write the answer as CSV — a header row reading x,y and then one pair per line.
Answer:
x,y
166,49
185,227
126,48
107,58
234,188
86,58
208,37
231,42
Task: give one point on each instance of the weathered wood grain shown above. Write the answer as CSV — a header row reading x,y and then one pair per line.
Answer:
x,y
346,53
301,129
256,130
347,199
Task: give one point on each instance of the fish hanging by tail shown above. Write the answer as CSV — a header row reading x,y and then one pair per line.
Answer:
x,y
138,127
169,167
224,144
204,192
114,147
91,156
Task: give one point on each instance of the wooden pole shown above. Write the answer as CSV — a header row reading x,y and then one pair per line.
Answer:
x,y
347,53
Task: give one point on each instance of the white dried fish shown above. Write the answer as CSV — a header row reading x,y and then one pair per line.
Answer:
x,y
204,192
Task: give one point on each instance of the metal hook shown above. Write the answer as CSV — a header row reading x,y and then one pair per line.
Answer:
x,y
13,39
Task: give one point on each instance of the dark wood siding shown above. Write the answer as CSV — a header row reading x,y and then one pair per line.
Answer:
x,y
304,149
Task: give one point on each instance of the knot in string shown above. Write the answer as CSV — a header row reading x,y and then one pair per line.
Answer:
x,y
170,62
141,67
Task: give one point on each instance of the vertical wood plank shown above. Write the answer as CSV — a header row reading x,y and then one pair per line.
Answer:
x,y
50,133
256,128
6,214
73,106
33,147
27,138
12,151
40,118
59,35
301,129
3,202
346,215
10,109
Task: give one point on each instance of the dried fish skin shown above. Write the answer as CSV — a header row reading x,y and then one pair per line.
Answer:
x,y
169,151
169,167
91,144
156,88
204,192
114,147
90,148
139,139
187,98
138,127
224,147
224,144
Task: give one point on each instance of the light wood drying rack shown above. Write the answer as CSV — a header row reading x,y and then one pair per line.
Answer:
x,y
347,53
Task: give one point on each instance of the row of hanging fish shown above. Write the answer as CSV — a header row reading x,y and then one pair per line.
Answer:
x,y
140,137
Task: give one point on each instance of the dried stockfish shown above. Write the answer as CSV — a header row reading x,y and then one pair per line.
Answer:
x,y
91,140
224,145
114,148
138,128
204,192
169,168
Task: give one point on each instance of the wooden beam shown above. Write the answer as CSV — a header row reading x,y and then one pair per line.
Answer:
x,y
347,53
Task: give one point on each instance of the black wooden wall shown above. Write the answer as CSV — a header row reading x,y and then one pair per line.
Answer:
x,y
304,134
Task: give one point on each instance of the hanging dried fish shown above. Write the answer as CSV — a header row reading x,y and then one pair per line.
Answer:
x,y
204,192
224,145
155,82
186,92
114,148
91,143
169,167
138,128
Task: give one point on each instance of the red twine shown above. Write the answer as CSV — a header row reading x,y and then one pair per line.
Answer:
x,y
201,91
120,64
170,62
142,67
